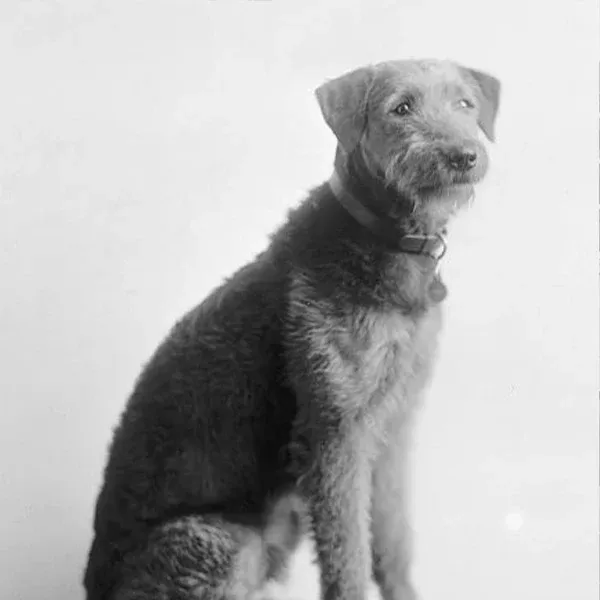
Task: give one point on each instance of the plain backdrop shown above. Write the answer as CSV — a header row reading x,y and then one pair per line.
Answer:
x,y
147,148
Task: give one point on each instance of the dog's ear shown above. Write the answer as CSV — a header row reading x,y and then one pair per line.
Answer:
x,y
343,102
488,90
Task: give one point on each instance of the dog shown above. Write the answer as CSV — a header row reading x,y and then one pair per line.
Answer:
x,y
284,402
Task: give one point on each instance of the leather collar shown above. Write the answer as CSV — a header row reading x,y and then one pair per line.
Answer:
x,y
432,246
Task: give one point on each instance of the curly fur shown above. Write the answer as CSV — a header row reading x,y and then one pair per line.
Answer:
x,y
294,385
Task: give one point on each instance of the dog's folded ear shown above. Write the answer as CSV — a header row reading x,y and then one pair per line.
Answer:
x,y
343,102
488,90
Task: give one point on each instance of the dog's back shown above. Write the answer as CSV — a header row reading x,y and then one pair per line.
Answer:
x,y
202,434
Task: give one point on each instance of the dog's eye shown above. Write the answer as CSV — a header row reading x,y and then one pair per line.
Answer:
x,y
465,103
403,109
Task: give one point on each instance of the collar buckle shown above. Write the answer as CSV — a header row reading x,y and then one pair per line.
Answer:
x,y
439,249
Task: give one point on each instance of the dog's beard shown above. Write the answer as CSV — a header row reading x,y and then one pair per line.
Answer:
x,y
426,195
434,193
438,209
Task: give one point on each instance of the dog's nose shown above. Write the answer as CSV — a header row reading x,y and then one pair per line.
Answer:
x,y
462,160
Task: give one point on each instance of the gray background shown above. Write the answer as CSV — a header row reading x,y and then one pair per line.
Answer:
x,y
146,150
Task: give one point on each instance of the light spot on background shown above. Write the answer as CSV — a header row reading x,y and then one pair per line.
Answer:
x,y
514,521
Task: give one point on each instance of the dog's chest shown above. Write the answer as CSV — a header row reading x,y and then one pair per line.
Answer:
x,y
378,359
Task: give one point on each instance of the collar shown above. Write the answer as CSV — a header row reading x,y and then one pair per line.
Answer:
x,y
432,246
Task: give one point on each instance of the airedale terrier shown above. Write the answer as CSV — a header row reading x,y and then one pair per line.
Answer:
x,y
293,387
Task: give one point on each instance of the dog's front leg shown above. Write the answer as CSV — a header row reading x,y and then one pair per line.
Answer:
x,y
392,535
338,485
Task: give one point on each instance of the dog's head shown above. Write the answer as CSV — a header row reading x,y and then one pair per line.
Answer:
x,y
416,124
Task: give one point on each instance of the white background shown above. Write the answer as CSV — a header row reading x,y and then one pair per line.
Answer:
x,y
146,151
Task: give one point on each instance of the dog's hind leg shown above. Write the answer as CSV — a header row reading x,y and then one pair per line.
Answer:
x,y
186,558
212,558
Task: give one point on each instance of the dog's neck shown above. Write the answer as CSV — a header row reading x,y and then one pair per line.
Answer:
x,y
382,210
